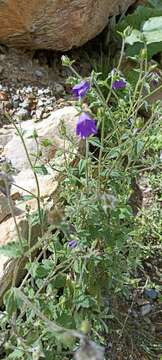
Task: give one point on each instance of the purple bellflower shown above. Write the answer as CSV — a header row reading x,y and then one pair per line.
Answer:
x,y
72,244
118,84
81,89
85,126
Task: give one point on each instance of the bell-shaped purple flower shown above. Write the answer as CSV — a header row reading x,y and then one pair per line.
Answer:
x,y
81,89
119,84
72,244
85,126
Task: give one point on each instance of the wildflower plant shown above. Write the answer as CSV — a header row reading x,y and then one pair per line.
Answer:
x,y
94,250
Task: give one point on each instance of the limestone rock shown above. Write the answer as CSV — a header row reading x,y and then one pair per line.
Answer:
x,y
4,207
55,24
15,154
47,129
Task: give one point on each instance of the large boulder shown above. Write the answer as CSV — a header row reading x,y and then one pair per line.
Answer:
x,y
55,24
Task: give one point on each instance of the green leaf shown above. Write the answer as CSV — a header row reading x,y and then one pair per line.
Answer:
x,y
143,25
12,250
113,153
27,197
59,282
134,37
152,24
16,354
139,147
155,3
82,165
95,142
41,170
11,301
151,32
46,142
137,19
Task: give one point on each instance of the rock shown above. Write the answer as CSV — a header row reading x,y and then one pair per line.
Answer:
x,y
40,103
22,114
51,24
6,134
25,179
29,90
39,73
59,89
145,309
15,154
4,207
3,96
39,113
40,92
46,129
151,294
15,101
25,105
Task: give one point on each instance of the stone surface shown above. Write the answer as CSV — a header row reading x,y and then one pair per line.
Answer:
x,y
145,309
52,24
46,129
4,207
14,153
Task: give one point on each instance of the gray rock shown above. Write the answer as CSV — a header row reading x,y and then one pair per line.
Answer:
x,y
39,73
59,89
22,114
49,102
16,98
25,104
15,101
145,309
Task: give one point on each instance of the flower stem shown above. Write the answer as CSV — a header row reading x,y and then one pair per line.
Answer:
x,y
34,173
101,151
87,167
11,206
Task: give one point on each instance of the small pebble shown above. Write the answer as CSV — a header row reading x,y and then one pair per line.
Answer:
x,y
39,73
48,102
40,103
25,105
22,114
59,89
145,309
29,89
47,91
40,92
49,108
39,113
151,294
